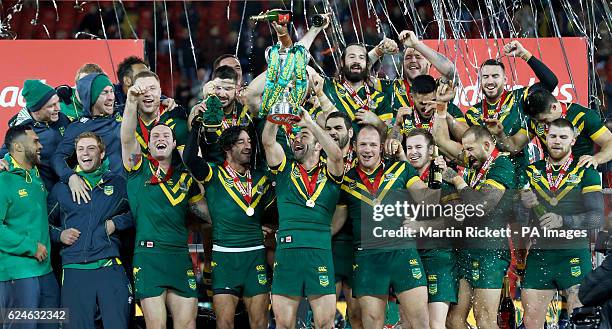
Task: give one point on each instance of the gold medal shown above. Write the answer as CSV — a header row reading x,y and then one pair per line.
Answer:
x,y
310,203
553,201
250,211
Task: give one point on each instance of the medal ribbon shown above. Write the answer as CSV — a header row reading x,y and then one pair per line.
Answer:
x,y
408,96
419,124
498,107
356,97
425,175
155,178
348,163
143,127
484,168
372,187
245,192
309,183
549,173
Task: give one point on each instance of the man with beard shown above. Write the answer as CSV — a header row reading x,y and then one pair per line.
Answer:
x,y
42,113
482,262
379,267
421,114
572,198
93,275
240,194
338,127
26,279
152,112
543,108
98,99
307,193
224,85
160,194
437,256
354,94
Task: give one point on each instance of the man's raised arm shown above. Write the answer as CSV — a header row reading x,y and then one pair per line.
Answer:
x,y
439,61
335,161
273,150
130,150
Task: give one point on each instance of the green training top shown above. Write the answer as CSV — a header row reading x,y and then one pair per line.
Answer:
x,y
301,226
232,227
160,209
23,223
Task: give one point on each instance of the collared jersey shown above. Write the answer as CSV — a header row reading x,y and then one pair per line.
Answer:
x,y
501,175
231,226
176,119
397,175
511,115
577,182
345,234
410,123
343,101
301,226
587,123
160,210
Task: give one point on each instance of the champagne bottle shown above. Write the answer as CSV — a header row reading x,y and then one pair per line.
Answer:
x,y
539,210
318,20
435,172
506,317
280,16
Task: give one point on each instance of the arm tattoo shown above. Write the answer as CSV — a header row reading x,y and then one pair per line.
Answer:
x,y
487,196
199,212
135,158
449,174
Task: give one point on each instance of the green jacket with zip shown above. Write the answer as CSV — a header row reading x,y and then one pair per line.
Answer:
x,y
23,223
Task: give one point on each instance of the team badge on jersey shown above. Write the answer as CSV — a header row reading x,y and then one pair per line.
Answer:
x,y
324,280
576,271
475,275
262,279
540,129
192,284
432,288
108,190
416,273
573,178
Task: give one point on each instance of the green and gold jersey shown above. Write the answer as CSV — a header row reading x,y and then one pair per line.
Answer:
x,y
304,223
345,235
510,114
366,96
568,197
587,123
176,119
396,175
411,122
398,92
240,117
233,227
160,209
501,176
